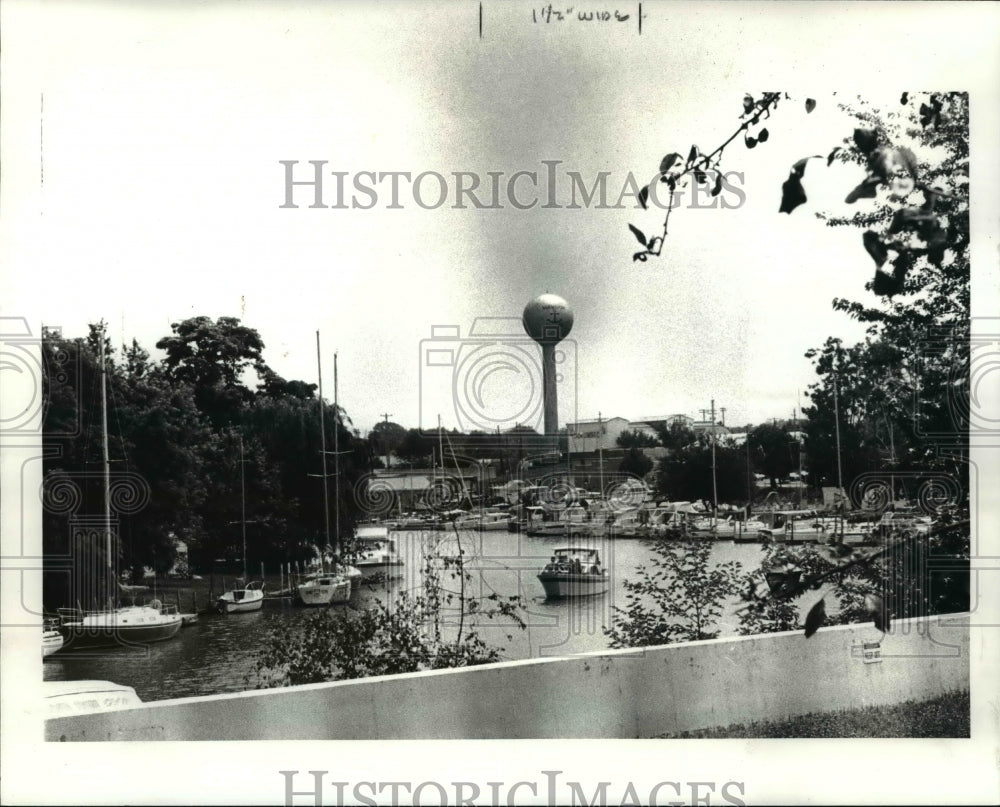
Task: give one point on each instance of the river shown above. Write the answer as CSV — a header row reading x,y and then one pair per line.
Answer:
x,y
217,654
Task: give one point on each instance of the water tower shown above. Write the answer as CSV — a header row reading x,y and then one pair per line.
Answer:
x,y
548,320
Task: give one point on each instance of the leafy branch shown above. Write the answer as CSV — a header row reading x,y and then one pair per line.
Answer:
x,y
675,173
915,231
786,583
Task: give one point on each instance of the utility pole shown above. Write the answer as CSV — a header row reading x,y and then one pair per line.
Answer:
x,y
715,492
600,453
386,416
723,410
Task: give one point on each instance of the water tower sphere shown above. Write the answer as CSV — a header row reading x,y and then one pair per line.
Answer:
x,y
548,319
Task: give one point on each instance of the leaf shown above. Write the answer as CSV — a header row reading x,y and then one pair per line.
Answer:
x,y
904,98
865,140
815,617
639,256
885,284
668,161
792,193
750,141
875,606
913,218
639,235
692,155
799,168
908,160
644,196
747,104
717,187
866,190
763,135
810,104
700,177
875,247
829,160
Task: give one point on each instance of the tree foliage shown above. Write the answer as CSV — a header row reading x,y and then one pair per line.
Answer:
x,y
680,599
437,628
176,430
686,473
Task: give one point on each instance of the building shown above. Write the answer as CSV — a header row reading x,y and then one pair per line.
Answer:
x,y
397,489
588,436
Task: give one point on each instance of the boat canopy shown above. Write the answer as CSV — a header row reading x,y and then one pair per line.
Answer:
x,y
576,550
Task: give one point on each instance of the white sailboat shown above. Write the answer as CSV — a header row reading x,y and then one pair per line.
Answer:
x,y
248,596
113,625
333,587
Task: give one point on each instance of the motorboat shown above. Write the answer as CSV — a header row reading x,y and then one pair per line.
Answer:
x,y
375,551
325,589
241,599
574,572
130,624
52,640
67,698
484,522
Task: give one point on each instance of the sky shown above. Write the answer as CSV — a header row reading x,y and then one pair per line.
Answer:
x,y
159,190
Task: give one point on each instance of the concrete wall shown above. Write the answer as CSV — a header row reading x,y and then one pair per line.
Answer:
x,y
620,694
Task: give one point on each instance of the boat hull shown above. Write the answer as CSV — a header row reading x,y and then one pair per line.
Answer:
x,y
240,602
52,640
377,567
315,593
105,635
560,586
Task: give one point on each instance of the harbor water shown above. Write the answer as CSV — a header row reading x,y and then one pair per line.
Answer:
x,y
217,654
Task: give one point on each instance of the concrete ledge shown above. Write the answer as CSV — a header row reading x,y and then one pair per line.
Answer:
x,y
612,694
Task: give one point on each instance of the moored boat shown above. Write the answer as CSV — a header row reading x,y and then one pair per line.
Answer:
x,y
484,522
131,624
325,589
375,552
52,640
574,572
241,599
66,698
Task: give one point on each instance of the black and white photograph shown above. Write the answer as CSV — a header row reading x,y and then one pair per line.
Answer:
x,y
482,403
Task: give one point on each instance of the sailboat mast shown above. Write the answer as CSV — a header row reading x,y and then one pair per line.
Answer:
x,y
336,458
836,424
600,453
322,441
105,459
243,510
715,489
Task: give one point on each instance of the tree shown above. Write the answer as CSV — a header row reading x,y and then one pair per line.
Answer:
x,y
679,600
386,437
686,474
432,630
212,356
634,438
773,451
676,435
416,448
635,463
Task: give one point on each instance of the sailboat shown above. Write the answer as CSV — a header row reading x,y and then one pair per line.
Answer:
x,y
249,596
333,587
114,625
